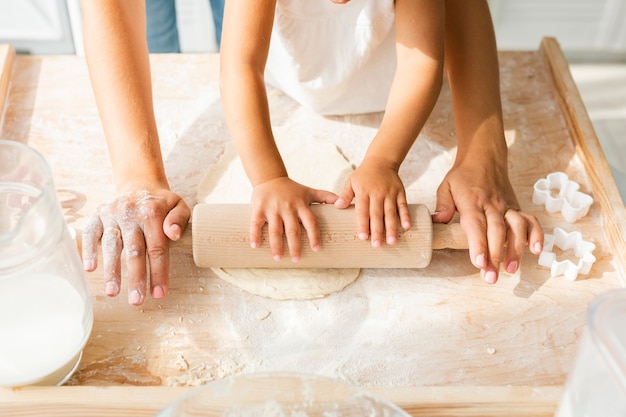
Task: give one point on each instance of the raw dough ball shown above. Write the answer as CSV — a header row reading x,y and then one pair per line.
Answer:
x,y
310,161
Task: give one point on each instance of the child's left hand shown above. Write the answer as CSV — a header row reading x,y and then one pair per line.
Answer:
x,y
380,201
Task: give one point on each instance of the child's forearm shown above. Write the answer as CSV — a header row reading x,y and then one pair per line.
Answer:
x,y
247,113
242,64
417,82
473,74
410,103
117,56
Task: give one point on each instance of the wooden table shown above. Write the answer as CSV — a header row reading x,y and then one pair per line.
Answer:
x,y
437,341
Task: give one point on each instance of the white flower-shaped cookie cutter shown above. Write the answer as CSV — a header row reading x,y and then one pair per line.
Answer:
x,y
583,250
572,203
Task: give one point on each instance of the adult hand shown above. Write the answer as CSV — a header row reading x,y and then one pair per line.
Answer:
x,y
490,215
141,222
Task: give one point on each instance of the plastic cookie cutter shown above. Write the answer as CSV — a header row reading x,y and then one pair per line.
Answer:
x,y
572,203
564,241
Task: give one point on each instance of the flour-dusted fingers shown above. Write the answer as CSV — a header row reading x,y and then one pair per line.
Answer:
x,y
176,220
92,233
112,259
157,249
135,251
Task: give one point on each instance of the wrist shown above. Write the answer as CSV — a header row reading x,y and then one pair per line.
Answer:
x,y
134,180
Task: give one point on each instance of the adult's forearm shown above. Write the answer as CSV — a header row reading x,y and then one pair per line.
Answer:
x,y
473,73
117,57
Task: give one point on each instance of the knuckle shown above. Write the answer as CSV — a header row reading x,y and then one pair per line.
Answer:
x,y
157,252
135,252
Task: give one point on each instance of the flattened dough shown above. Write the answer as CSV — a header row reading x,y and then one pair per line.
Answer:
x,y
289,284
309,161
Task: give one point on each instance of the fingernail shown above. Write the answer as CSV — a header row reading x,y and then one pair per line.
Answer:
x,y
491,277
316,248
176,231
88,265
363,236
339,202
253,245
295,258
277,257
158,292
511,268
406,225
481,260
111,288
135,297
391,240
538,247
376,243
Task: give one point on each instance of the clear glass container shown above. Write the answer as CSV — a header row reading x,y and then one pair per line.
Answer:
x,y
596,385
45,309
280,394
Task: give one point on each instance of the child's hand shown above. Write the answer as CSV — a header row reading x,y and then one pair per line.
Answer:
x,y
491,217
284,204
379,199
141,222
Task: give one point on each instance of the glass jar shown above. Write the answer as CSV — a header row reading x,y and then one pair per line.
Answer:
x,y
46,314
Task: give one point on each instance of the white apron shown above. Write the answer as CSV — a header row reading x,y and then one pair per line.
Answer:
x,y
334,58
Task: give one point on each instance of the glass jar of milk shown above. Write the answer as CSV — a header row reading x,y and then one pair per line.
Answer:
x,y
45,309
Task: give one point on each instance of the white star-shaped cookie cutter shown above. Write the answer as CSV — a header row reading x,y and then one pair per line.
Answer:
x,y
572,203
564,240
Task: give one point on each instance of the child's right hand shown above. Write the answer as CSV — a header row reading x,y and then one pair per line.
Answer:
x,y
283,205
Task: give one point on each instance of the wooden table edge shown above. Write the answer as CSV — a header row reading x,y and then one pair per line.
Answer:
x,y
588,148
110,401
7,57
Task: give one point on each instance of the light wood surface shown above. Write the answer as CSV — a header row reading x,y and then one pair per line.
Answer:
x,y
437,340
589,150
147,401
7,56
221,236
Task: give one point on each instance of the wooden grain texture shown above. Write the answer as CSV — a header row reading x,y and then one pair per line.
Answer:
x,y
393,329
147,401
221,239
7,56
589,149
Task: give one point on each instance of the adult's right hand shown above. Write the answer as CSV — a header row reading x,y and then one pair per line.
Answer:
x,y
141,222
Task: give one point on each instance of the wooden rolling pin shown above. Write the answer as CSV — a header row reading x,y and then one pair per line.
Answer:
x,y
220,238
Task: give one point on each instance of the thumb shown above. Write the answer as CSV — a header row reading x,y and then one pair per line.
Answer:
x,y
346,196
445,208
322,196
176,220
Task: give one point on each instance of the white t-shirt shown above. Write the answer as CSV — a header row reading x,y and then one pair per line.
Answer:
x,y
334,58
